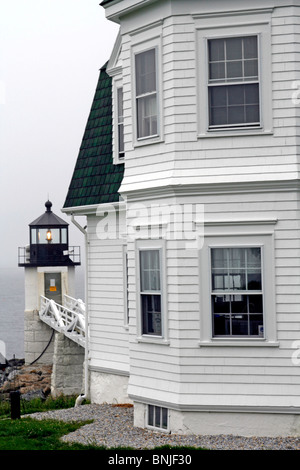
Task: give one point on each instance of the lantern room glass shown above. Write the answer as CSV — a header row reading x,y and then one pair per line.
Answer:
x,y
39,236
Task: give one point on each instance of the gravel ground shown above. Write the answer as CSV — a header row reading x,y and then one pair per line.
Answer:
x,y
113,427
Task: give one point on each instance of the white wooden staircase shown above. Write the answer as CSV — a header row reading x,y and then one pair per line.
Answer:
x,y
68,319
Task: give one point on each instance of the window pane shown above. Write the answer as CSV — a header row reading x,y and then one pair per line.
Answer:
x,y
150,270
151,314
239,324
236,95
221,303
64,238
239,304
236,115
157,416
251,68
221,325
217,70
147,116
145,72
250,47
219,258
33,236
216,49
218,97
42,235
254,258
218,116
234,70
164,412
251,94
255,304
234,49
256,325
121,138
151,415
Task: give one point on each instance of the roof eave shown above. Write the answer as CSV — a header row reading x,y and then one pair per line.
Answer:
x,y
93,208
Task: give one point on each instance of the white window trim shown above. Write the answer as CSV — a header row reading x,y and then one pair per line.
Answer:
x,y
262,30
155,43
142,245
225,240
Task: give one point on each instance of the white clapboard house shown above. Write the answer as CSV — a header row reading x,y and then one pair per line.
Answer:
x,y
188,175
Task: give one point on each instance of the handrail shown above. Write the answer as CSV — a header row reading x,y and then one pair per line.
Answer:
x,y
63,319
76,305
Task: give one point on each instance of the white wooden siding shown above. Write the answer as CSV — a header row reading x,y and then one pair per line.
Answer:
x,y
108,346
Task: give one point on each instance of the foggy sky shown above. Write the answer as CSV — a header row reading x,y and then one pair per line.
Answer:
x,y
50,55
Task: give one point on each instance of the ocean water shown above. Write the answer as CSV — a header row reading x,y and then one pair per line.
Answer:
x,y
12,305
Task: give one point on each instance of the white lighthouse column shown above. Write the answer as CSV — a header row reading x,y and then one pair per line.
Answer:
x,y
39,338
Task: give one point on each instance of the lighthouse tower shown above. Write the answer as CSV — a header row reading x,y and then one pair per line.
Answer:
x,y
49,265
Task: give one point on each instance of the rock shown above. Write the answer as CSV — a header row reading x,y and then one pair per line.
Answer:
x,y
34,394
27,379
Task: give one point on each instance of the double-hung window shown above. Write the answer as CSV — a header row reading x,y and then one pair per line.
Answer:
x,y
233,82
236,292
150,292
146,93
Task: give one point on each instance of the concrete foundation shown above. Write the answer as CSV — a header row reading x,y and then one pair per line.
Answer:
x,y
235,423
108,388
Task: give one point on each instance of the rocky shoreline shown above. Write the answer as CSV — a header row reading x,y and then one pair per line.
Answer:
x,y
32,381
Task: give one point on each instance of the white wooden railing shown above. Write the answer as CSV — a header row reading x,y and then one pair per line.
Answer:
x,y
69,319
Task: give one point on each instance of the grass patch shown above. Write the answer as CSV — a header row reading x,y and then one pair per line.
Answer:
x,y
31,434
37,405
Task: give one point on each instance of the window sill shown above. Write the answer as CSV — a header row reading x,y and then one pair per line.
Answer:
x,y
153,340
148,141
239,343
234,133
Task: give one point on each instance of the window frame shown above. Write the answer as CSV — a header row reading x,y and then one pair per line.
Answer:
x,y
142,98
138,48
262,30
226,239
154,245
226,84
153,409
235,292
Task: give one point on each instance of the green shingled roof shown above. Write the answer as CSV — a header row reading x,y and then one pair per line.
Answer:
x,y
96,179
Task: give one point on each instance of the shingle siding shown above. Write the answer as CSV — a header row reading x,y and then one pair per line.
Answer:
x,y
95,179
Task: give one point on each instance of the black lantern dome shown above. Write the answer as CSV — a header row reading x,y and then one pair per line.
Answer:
x,y
49,242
